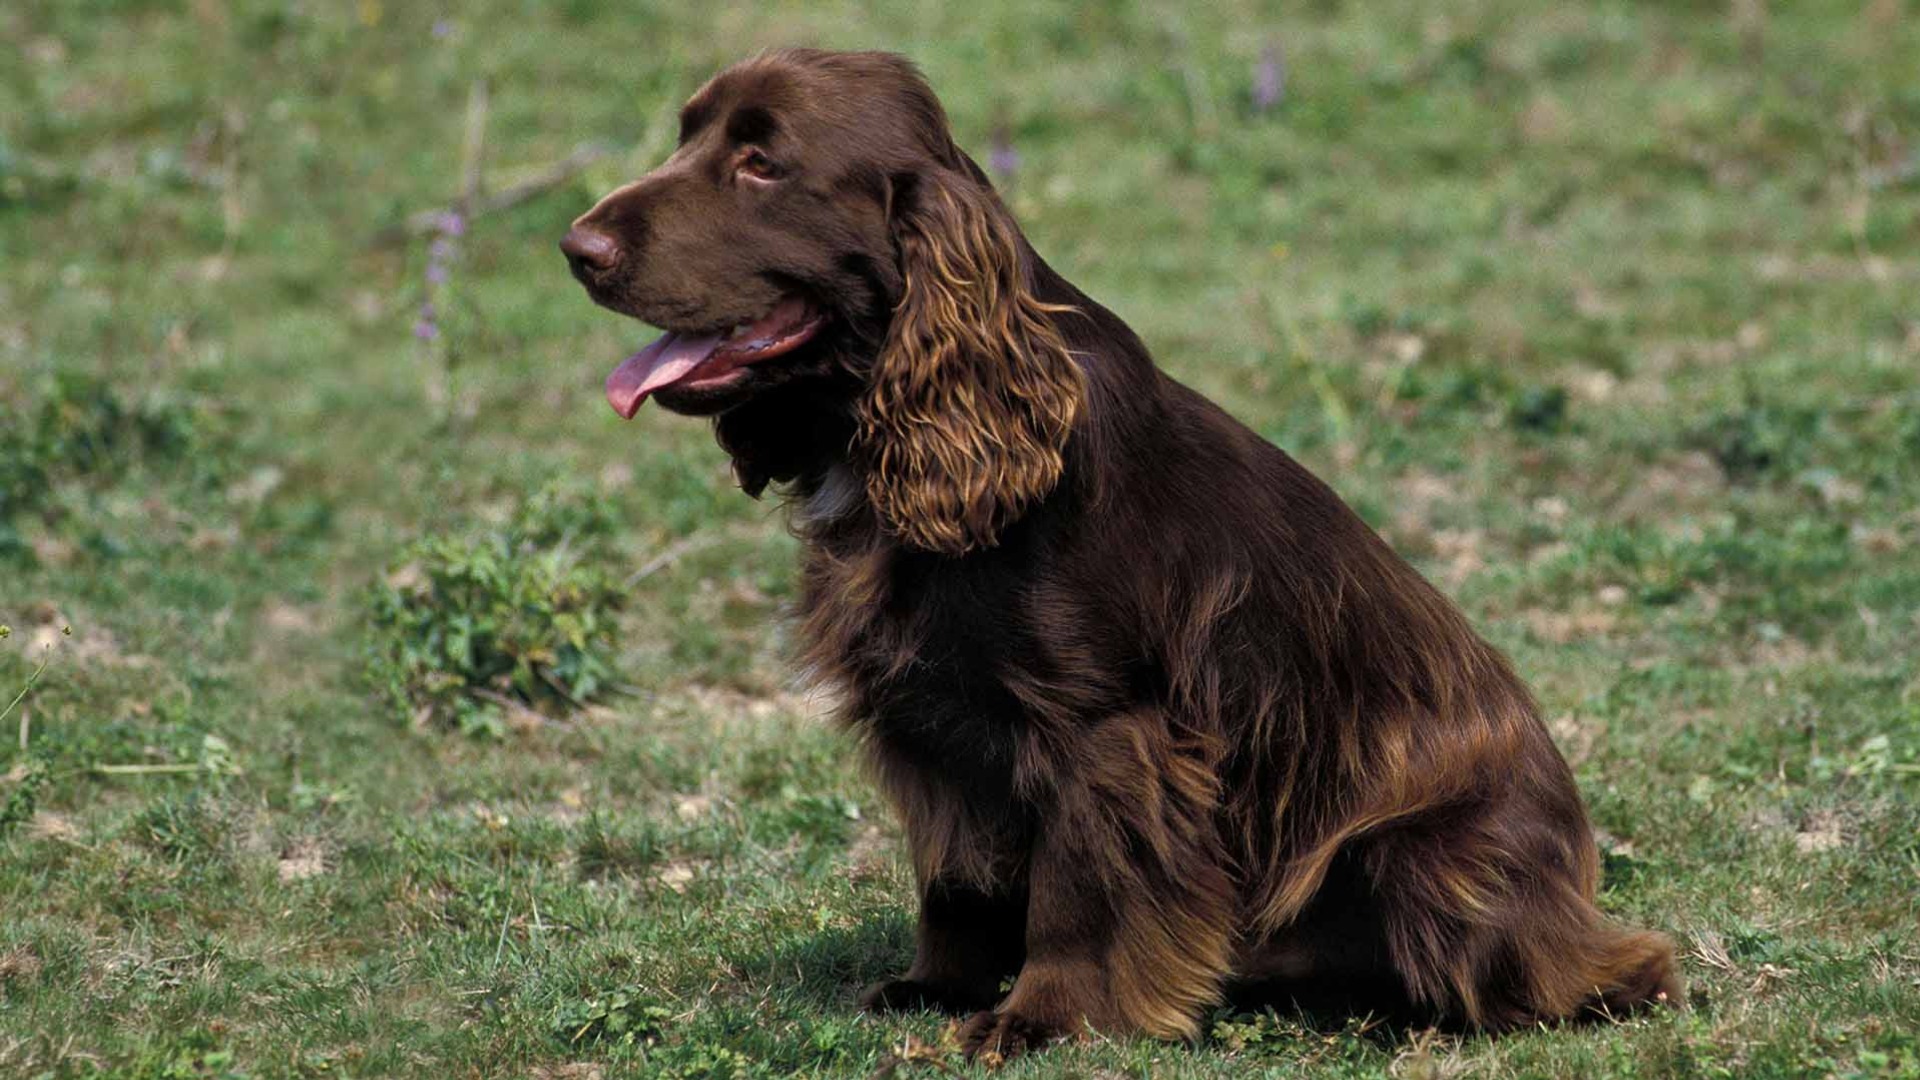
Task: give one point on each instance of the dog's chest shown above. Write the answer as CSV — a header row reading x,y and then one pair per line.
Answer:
x,y
926,652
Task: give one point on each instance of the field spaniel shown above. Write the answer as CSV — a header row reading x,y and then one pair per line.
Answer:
x,y
1163,720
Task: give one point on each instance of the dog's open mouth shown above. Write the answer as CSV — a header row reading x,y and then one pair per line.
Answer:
x,y
705,360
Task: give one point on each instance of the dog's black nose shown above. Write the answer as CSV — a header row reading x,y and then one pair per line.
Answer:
x,y
590,252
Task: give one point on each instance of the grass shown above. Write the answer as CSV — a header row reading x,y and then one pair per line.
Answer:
x,y
1604,314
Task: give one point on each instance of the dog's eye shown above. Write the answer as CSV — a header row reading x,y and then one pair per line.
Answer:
x,y
758,166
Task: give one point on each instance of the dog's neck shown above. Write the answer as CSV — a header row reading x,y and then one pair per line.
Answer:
x,y
793,436
821,501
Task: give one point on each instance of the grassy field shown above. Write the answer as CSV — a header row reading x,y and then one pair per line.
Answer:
x,y
1608,315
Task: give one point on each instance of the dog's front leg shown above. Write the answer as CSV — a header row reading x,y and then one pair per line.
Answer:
x,y
973,901
1130,906
967,941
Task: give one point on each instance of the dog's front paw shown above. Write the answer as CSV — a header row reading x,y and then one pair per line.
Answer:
x,y
908,995
996,1037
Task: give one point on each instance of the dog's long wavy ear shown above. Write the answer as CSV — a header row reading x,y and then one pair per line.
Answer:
x,y
973,396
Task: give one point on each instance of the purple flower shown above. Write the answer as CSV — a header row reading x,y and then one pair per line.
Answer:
x,y
447,228
427,327
1269,79
1002,158
442,28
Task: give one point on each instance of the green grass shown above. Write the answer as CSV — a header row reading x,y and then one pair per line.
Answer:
x,y
1604,314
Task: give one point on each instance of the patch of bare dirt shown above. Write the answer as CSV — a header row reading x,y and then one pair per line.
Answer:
x,y
1574,737
52,825
1824,830
572,1070
675,876
293,619
729,705
1564,627
19,964
1460,553
871,853
692,807
1875,540
304,858
49,631
1676,484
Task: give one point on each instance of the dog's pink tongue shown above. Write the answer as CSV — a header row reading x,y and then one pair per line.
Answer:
x,y
662,363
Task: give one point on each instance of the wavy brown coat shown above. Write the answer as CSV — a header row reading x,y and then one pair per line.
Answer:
x,y
1162,717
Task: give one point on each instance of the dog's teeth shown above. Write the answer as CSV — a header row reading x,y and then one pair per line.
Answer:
x,y
738,330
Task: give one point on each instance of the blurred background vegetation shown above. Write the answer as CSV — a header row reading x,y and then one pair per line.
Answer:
x,y
418,717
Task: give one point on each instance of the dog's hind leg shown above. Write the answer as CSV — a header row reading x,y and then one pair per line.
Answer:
x,y
1331,961
1491,923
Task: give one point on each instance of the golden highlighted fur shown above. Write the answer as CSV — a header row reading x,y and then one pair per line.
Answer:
x,y
972,396
1163,719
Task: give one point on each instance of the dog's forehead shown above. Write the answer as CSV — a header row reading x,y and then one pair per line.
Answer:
x,y
760,85
808,101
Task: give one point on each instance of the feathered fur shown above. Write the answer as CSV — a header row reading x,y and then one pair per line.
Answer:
x,y
1163,719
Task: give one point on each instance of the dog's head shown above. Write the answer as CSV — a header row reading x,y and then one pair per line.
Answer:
x,y
817,222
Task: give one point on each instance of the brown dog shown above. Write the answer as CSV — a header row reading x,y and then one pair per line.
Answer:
x,y
1161,716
